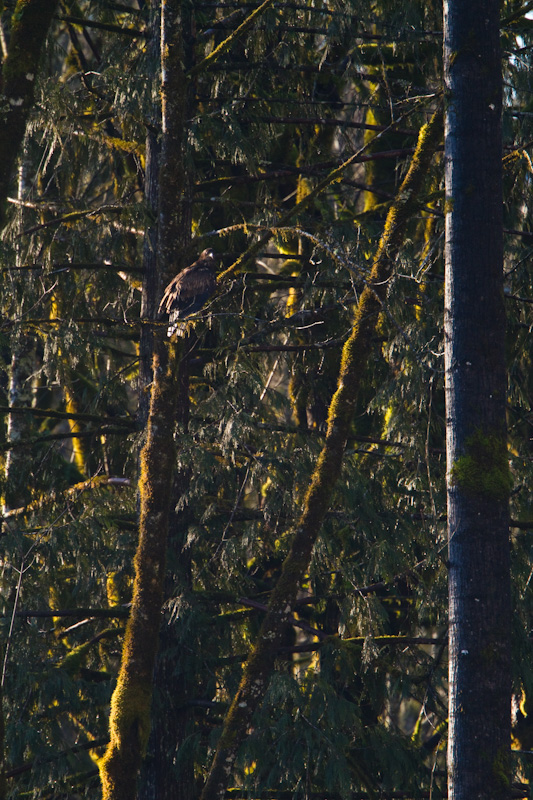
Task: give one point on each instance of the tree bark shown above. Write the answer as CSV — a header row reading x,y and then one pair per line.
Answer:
x,y
29,27
478,471
129,722
257,670
130,718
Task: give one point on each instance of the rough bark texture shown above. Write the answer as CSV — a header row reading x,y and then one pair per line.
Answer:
x,y
131,702
167,775
150,281
29,27
478,472
257,670
130,718
19,426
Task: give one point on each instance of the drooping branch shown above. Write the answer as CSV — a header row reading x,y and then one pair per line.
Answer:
x,y
257,670
331,178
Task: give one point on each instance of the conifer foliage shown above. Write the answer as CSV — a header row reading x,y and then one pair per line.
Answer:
x,y
154,492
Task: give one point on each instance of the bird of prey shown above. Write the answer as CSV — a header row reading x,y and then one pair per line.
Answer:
x,y
187,292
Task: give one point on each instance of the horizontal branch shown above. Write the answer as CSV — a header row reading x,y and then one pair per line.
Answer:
x,y
103,26
73,216
54,437
357,641
77,748
65,266
297,623
97,482
119,612
335,69
517,790
337,123
49,414
291,348
317,170
78,321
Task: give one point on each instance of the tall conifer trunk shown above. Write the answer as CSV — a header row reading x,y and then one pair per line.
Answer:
x,y
130,715
478,473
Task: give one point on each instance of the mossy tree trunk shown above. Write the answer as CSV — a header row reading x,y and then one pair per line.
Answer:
x,y
130,718
131,702
478,472
162,778
257,670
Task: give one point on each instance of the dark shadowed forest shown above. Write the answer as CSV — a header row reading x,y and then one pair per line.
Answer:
x,y
286,554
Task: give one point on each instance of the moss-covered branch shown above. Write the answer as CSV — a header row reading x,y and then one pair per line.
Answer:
x,y
257,670
29,27
332,177
224,46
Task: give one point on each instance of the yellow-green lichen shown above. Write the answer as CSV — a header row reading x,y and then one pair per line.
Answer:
x,y
501,767
484,467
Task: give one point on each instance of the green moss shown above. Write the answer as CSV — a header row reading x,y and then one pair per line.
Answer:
x,y
501,767
484,468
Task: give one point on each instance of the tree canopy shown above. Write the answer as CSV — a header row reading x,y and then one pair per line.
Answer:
x,y
278,476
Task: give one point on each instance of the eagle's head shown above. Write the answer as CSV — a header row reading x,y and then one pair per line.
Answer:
x,y
208,253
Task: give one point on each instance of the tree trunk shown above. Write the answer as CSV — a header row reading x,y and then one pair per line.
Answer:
x,y
29,28
130,718
478,472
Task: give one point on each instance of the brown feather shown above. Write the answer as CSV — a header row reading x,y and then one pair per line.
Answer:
x,y
189,290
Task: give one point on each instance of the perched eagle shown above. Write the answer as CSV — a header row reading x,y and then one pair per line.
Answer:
x,y
188,291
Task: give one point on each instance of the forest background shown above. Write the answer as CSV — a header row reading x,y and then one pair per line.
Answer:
x,y
281,135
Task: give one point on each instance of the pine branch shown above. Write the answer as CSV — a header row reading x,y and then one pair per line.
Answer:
x,y
73,216
289,281
256,672
306,69
49,414
221,26
297,623
359,158
77,321
291,348
60,266
72,493
57,437
224,46
518,14
77,748
335,175
337,123
134,33
120,612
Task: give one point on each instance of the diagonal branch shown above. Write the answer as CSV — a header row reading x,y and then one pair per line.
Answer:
x,y
332,177
256,672
227,43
